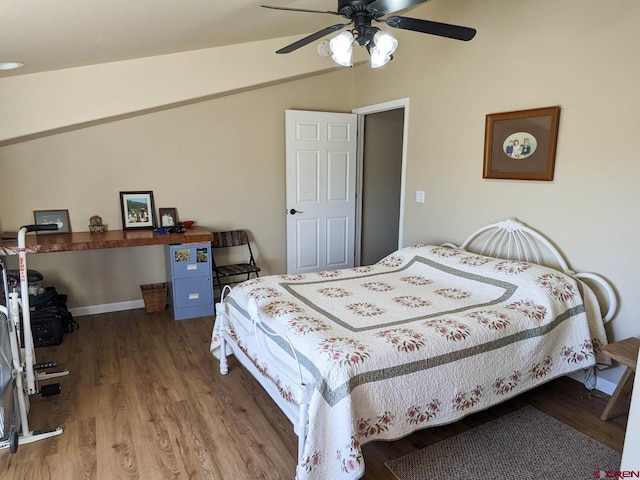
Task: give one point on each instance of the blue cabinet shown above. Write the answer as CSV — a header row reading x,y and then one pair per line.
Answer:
x,y
190,289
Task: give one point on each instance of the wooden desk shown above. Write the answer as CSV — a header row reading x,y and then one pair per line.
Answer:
x,y
78,241
625,352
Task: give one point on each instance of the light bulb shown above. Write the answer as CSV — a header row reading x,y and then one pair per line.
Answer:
x,y
383,46
377,58
342,48
385,43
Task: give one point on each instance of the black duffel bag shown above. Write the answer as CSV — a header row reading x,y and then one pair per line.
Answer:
x,y
48,326
50,318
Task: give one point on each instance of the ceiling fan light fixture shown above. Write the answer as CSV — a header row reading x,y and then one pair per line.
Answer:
x,y
378,59
383,47
385,43
342,48
380,45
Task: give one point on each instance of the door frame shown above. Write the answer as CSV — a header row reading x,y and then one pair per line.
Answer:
x,y
362,112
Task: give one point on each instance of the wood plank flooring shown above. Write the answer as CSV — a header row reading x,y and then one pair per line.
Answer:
x,y
145,400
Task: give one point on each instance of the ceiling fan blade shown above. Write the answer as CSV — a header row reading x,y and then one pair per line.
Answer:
x,y
299,10
433,28
383,7
311,38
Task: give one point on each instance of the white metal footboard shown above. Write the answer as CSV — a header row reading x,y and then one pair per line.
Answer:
x,y
295,407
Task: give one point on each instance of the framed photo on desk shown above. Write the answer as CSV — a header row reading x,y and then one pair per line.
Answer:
x,y
138,210
168,217
48,217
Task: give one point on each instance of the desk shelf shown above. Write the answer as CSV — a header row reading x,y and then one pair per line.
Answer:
x,y
78,241
184,287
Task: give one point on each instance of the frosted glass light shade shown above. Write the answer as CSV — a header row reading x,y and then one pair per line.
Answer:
x,y
384,46
342,48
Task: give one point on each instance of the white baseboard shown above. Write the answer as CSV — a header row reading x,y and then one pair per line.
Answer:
x,y
106,308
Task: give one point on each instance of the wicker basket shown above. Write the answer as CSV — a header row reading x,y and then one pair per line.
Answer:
x,y
154,296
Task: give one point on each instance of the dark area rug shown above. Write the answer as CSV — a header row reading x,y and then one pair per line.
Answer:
x,y
523,445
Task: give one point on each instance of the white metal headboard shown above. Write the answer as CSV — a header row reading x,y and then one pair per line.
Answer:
x,y
512,240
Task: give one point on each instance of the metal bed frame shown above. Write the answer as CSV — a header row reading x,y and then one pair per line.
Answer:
x,y
508,239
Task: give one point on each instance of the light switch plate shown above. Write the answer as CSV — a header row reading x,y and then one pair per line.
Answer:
x,y
419,196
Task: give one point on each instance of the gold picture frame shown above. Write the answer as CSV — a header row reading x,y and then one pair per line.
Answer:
x,y
521,145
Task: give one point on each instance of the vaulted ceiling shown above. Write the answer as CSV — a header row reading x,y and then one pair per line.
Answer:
x,y
59,34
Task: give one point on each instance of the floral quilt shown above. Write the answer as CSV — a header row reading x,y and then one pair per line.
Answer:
x,y
422,338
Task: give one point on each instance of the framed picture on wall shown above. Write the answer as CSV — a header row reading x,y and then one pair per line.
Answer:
x,y
137,209
48,217
521,145
168,217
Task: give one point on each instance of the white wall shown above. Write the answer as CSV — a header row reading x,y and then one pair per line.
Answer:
x,y
220,162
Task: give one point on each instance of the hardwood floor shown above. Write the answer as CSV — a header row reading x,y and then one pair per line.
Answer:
x,y
145,400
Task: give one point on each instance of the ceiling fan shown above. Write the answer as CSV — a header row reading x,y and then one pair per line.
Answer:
x,y
381,45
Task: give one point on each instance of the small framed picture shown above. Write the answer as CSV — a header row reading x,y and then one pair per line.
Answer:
x,y
168,217
137,209
521,145
48,217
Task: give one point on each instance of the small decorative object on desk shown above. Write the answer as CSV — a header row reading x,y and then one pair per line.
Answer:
x,y
96,225
177,228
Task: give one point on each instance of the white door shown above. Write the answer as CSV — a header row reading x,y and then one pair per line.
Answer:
x,y
321,190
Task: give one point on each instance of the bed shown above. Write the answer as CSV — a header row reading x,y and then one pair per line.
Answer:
x,y
426,336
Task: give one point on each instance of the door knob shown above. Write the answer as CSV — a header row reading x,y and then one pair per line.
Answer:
x,y
293,211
